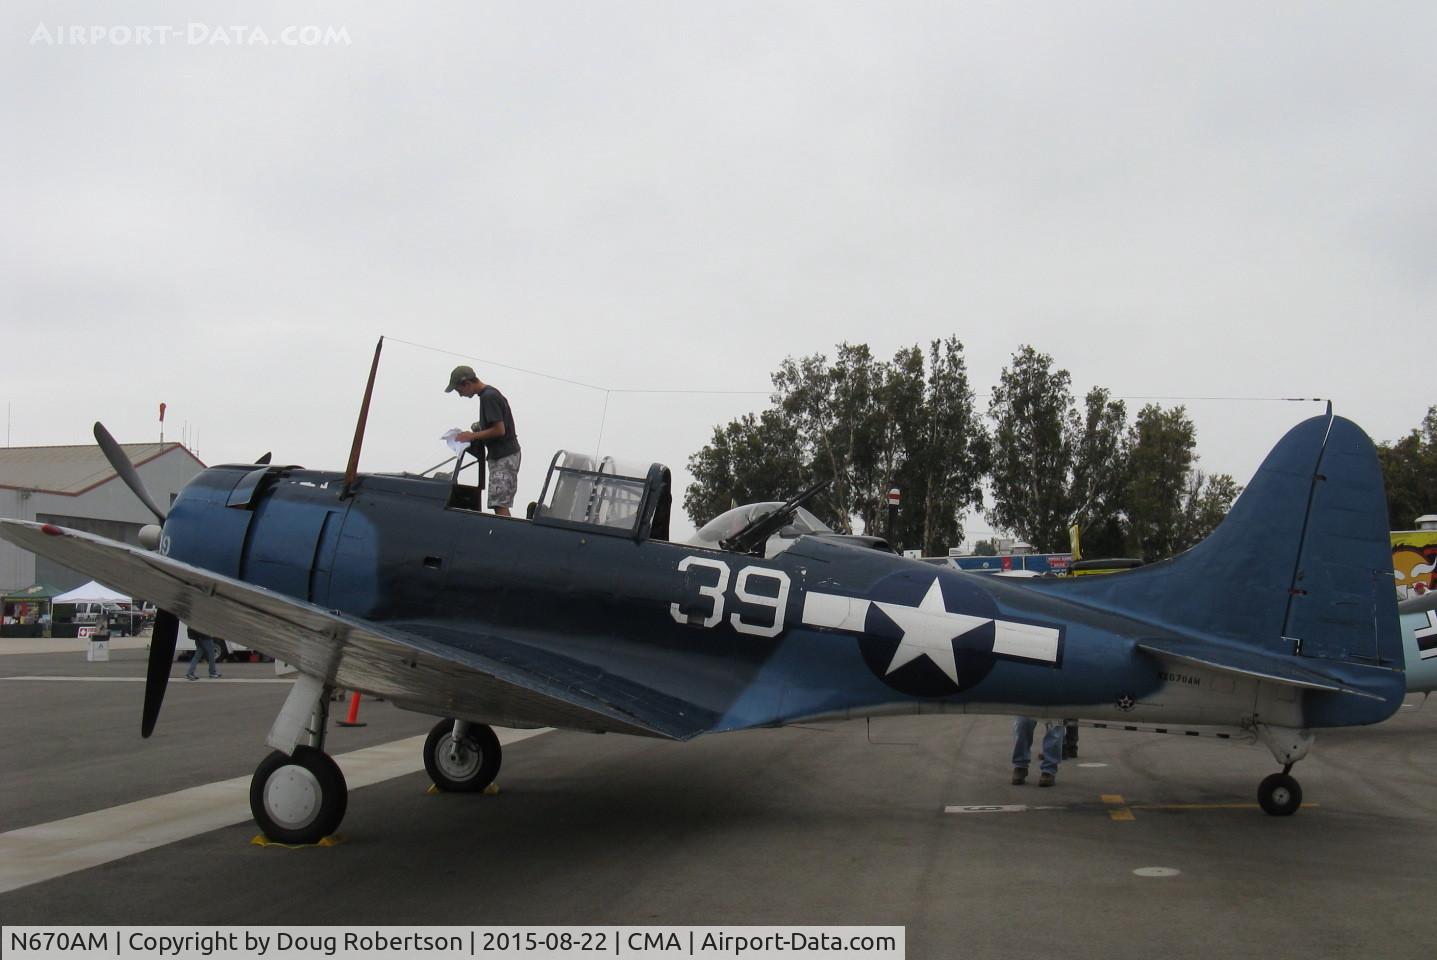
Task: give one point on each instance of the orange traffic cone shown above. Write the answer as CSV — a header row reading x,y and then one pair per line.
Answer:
x,y
353,719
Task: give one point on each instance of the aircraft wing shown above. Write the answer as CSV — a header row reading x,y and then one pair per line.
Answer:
x,y
412,671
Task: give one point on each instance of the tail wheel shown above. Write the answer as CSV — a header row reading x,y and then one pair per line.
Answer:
x,y
1279,795
466,767
299,798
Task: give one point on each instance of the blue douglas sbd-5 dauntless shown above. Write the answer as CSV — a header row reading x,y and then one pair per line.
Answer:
x,y
587,617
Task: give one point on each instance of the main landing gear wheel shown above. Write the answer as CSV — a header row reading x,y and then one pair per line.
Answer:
x,y
1279,795
464,767
299,798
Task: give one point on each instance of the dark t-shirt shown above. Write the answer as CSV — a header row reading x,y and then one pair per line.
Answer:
x,y
493,407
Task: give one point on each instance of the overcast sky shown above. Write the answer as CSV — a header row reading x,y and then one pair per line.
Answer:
x,y
1231,200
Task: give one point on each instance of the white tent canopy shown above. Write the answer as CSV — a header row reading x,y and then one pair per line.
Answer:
x,y
90,593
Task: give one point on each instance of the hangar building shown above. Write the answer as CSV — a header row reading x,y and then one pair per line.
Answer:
x,y
76,487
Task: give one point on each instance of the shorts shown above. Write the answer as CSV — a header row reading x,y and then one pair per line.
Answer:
x,y
504,480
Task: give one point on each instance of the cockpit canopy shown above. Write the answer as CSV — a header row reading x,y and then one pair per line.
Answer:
x,y
606,496
727,524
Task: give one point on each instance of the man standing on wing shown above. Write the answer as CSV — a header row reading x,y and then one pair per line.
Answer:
x,y
495,429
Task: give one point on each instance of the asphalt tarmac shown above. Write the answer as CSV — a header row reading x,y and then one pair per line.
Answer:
x,y
1149,845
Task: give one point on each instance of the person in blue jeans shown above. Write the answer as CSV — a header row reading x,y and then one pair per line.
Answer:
x,y
1023,728
204,648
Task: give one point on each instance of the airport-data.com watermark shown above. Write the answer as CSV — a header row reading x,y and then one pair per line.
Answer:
x,y
190,35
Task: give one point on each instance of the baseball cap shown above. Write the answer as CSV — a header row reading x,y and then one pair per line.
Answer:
x,y
458,375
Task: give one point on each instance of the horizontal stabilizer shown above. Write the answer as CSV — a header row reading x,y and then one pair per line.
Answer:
x,y
1420,603
1273,668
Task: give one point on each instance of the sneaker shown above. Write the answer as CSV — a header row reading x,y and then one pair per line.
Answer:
x,y
1020,774
214,676
1047,780
191,676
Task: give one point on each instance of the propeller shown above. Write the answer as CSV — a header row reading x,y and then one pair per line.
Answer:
x,y
163,637
116,455
165,634
166,631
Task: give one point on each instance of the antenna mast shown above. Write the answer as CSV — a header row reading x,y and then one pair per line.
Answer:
x,y
353,469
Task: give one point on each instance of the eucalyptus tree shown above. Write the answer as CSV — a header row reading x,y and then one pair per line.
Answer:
x,y
867,426
1034,425
1169,504
1100,465
1409,471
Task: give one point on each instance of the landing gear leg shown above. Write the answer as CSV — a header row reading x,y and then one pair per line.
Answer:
x,y
298,793
1279,794
462,757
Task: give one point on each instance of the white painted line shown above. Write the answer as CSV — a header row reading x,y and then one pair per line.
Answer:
x,y
1157,872
997,808
987,808
49,850
1092,765
14,646
172,679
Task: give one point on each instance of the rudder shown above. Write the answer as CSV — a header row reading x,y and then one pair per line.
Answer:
x,y
1343,604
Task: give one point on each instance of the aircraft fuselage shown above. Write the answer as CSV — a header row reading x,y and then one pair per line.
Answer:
x,y
708,639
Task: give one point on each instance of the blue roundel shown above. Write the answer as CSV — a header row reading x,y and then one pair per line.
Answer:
x,y
926,671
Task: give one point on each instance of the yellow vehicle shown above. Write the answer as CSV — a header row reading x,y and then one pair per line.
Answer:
x,y
1414,558
1086,568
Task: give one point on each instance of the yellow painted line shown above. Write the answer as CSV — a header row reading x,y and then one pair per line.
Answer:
x,y
1194,806
1121,813
49,850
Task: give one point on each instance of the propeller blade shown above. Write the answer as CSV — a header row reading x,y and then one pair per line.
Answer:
x,y
125,469
162,653
264,460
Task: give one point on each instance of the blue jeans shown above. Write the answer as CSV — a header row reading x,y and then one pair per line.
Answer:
x,y
1023,728
204,647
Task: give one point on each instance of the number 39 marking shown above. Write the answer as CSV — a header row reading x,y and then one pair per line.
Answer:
x,y
715,594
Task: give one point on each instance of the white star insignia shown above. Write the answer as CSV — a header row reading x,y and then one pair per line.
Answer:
x,y
929,631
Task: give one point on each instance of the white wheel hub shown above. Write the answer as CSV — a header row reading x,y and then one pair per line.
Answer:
x,y
459,761
292,796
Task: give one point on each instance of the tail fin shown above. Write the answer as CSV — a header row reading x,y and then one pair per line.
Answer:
x,y
1301,565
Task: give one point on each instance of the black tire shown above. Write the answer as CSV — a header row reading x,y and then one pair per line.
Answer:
x,y
478,763
222,651
1279,795
299,798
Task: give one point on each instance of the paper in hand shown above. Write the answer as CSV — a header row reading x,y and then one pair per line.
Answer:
x,y
455,445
